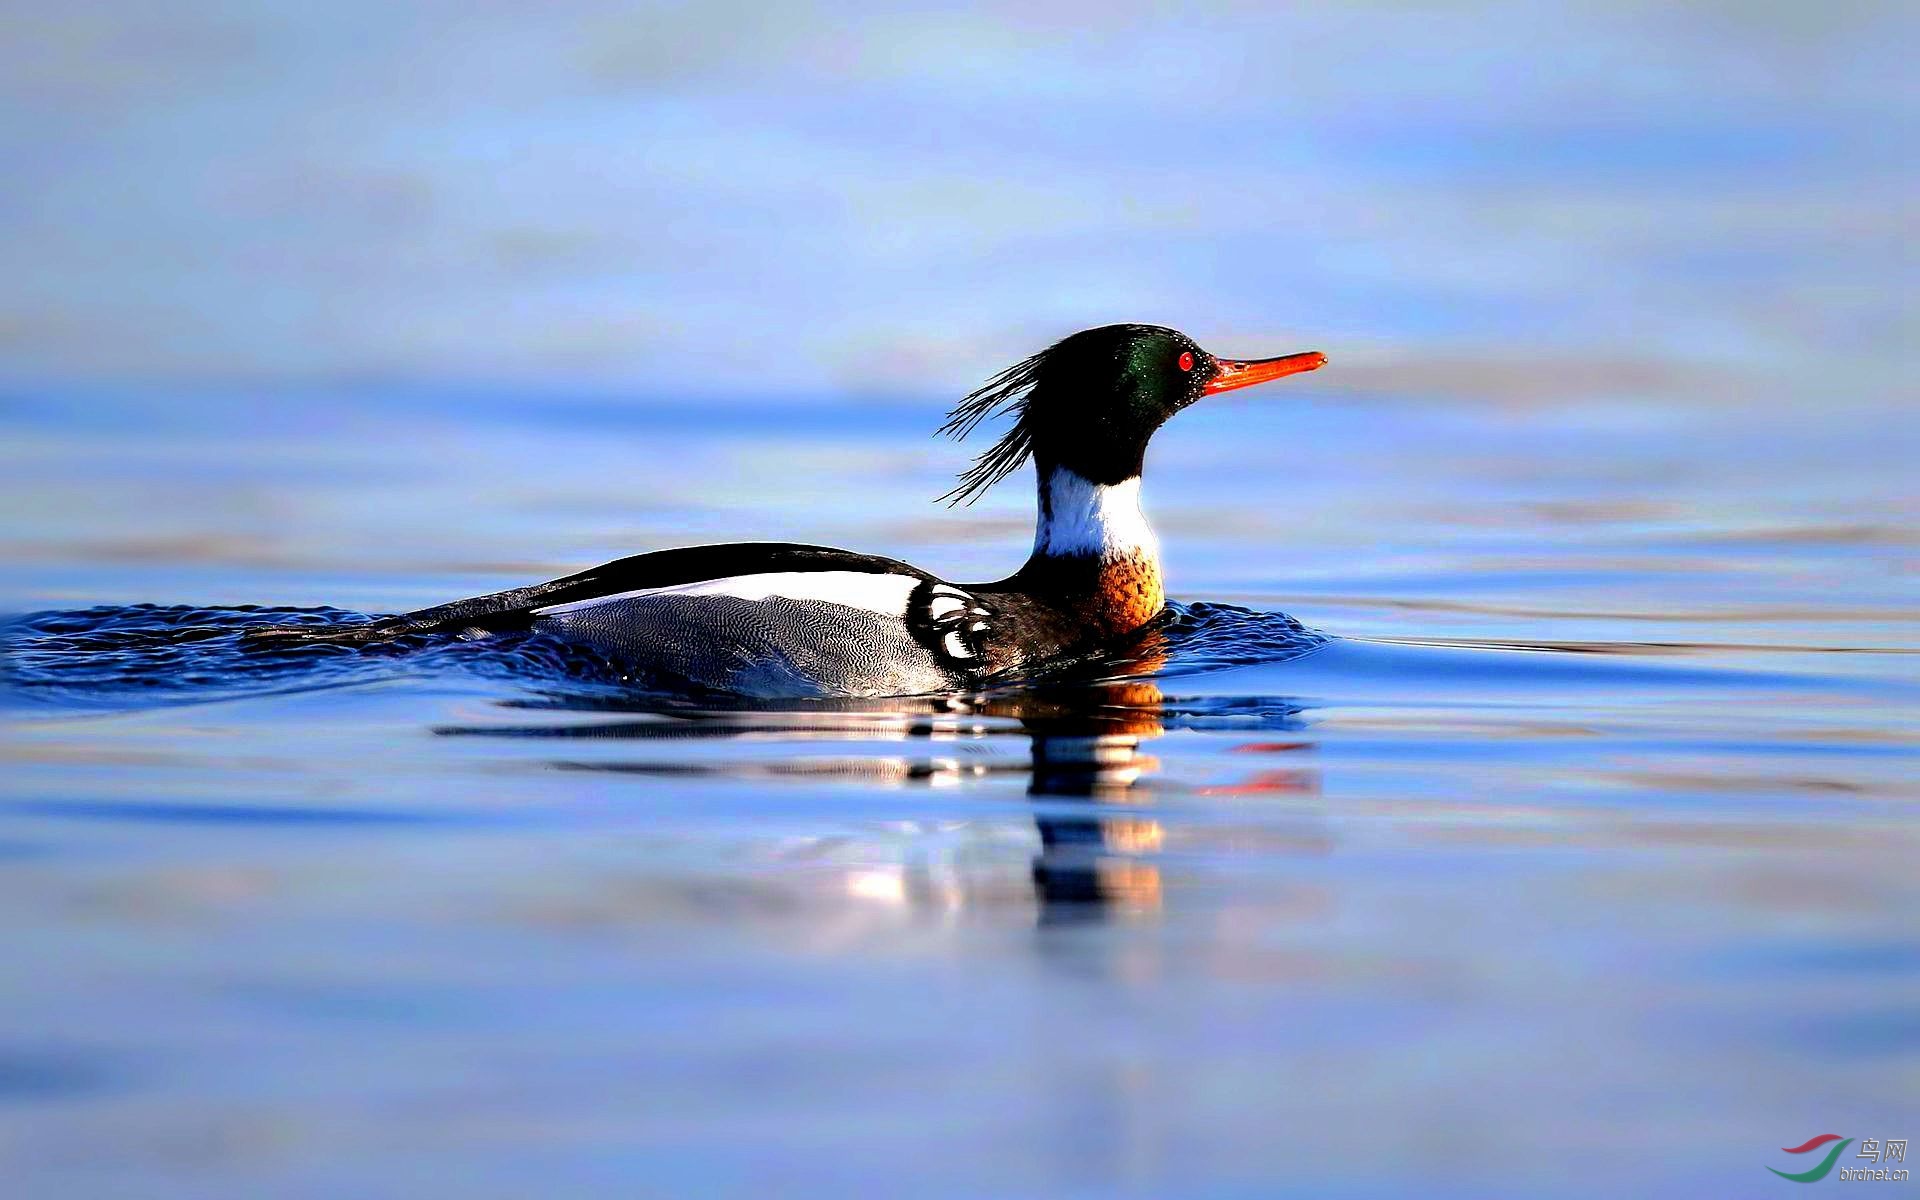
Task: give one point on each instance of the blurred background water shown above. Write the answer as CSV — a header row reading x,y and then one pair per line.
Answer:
x,y
1580,860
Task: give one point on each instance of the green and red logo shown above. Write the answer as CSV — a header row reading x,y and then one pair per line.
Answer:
x,y
1815,1174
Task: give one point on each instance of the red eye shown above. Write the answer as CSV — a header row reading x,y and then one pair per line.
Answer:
x,y
1186,360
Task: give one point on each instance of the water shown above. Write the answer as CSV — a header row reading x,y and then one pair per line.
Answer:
x,y
1577,855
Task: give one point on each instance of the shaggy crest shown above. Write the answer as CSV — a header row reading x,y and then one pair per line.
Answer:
x,y
1008,392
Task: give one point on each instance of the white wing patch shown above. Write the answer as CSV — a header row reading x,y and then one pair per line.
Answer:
x,y
874,592
950,609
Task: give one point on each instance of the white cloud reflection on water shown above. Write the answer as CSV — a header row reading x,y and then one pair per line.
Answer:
x,y
711,197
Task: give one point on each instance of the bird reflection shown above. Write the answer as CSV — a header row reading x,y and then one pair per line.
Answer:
x,y
1089,781
1086,763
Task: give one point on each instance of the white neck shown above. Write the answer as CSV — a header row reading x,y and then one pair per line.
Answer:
x,y
1082,518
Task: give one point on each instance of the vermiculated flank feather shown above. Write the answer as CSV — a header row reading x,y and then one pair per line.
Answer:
x,y
1008,392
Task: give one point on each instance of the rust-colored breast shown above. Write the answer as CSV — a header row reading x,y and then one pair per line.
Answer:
x,y
1059,603
1129,593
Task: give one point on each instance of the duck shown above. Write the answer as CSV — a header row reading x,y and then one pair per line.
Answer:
x,y
782,619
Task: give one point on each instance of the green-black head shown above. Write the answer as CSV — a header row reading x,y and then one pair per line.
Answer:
x,y
1091,402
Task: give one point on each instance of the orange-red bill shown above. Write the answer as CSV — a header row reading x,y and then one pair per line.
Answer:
x,y
1239,372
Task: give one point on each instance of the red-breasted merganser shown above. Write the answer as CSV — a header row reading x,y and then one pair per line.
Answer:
x,y
775,618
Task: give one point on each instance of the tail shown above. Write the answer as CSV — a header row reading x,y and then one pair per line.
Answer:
x,y
476,617
359,633
457,620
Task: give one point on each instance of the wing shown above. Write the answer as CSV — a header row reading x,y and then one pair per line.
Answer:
x,y
846,626
738,569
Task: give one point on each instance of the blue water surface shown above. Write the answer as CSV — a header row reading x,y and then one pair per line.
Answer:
x,y
1520,801
1568,827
